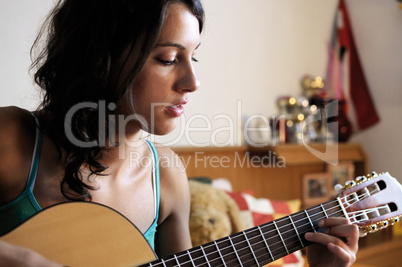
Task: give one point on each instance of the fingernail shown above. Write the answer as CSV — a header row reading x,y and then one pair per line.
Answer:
x,y
321,223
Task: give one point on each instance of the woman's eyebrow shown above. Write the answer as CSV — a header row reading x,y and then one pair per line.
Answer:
x,y
179,46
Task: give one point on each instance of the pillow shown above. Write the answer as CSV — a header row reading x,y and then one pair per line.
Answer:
x,y
256,211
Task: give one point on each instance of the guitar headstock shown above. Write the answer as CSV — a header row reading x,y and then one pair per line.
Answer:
x,y
373,202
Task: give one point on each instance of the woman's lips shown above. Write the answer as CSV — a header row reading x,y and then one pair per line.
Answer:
x,y
175,111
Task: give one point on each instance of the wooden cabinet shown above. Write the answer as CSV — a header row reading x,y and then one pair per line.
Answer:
x,y
381,254
273,172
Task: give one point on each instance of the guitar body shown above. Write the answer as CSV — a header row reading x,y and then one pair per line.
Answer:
x,y
83,234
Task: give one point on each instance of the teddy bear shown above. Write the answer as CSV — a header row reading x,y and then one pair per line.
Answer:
x,y
213,213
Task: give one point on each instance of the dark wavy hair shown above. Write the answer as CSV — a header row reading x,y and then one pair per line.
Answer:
x,y
78,62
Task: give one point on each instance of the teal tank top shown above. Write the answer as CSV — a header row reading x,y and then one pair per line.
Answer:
x,y
150,233
25,205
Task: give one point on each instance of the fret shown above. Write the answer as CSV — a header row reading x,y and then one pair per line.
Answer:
x,y
205,255
175,260
257,251
182,259
273,240
212,254
297,232
280,235
191,258
303,225
266,244
251,248
323,209
235,251
312,225
291,242
316,215
223,260
225,247
175,257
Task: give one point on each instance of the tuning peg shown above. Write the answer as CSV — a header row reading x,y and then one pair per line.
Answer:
x,y
378,226
383,225
361,179
371,175
362,233
338,188
373,228
394,220
349,184
370,229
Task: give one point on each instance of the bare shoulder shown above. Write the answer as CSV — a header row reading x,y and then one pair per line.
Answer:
x,y
170,163
17,137
173,177
17,131
173,234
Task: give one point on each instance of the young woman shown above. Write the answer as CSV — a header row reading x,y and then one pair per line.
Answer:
x,y
109,71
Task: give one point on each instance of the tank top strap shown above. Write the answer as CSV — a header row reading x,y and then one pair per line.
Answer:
x,y
155,177
35,161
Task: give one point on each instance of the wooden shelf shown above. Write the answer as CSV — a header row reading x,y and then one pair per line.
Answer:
x,y
318,153
274,172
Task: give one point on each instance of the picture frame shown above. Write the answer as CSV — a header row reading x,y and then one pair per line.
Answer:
x,y
340,174
316,188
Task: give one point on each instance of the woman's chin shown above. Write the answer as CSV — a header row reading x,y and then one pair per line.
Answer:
x,y
165,129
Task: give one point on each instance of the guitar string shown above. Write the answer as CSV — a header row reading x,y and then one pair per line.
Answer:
x,y
259,254
288,245
350,213
339,211
263,251
311,215
317,207
219,259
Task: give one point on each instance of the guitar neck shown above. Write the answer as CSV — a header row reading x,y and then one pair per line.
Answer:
x,y
259,245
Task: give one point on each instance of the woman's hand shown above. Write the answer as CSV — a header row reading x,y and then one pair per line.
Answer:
x,y
13,256
337,247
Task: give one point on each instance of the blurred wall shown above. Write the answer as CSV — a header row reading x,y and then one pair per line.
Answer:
x,y
251,53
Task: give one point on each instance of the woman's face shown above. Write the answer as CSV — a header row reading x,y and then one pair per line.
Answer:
x,y
162,87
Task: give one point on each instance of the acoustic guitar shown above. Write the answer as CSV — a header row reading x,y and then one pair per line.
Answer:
x,y
88,234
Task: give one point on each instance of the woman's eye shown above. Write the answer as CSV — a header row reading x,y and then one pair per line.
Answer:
x,y
167,62
172,62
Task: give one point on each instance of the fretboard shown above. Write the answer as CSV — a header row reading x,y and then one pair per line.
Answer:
x,y
259,245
